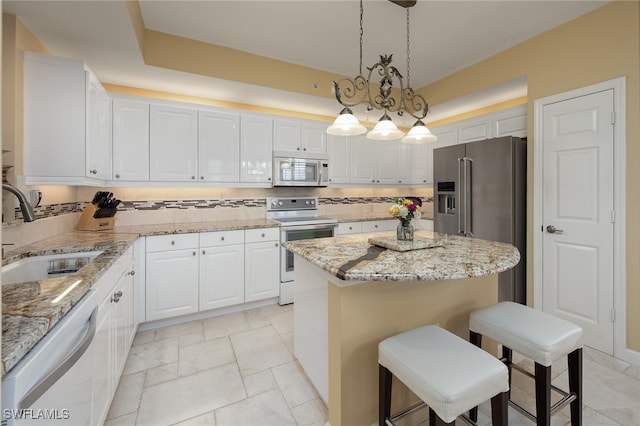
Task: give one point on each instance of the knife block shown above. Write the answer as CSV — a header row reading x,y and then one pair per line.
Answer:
x,y
88,223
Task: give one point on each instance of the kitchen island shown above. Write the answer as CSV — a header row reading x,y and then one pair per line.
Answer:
x,y
351,294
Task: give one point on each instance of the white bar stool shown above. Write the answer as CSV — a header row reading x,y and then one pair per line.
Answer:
x,y
542,338
446,372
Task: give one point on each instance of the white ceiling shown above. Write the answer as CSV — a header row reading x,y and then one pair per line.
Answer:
x,y
446,36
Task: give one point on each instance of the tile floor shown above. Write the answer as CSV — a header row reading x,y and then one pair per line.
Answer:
x,y
239,369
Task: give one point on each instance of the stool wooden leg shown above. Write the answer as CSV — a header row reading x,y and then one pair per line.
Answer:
x,y
435,420
575,386
384,394
543,395
476,339
507,356
499,409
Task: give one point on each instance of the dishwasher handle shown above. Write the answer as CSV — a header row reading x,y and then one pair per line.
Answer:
x,y
50,379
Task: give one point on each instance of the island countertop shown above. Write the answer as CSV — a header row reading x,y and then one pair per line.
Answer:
x,y
352,258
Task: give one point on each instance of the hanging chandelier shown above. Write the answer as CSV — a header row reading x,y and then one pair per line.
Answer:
x,y
381,95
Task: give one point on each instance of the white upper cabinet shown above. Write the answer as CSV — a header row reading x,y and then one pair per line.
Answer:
x,y
512,122
422,163
474,130
386,157
67,123
218,146
173,143
130,140
300,136
447,135
256,145
339,151
403,163
363,154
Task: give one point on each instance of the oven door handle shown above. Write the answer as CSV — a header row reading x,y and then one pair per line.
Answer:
x,y
305,227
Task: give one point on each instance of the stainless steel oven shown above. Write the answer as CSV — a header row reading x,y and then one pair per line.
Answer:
x,y
299,220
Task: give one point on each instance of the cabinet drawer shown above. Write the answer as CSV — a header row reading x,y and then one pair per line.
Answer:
x,y
346,228
221,238
172,242
375,226
262,234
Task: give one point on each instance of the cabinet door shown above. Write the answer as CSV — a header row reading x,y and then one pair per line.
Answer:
x,y
172,283
347,228
474,130
173,143
339,150
98,130
103,362
123,320
403,163
262,270
375,226
218,146
256,149
314,138
286,135
422,163
386,154
221,276
447,135
362,160
54,117
511,123
130,140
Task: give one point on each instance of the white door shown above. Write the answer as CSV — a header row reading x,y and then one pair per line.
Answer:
x,y
577,269
314,138
339,150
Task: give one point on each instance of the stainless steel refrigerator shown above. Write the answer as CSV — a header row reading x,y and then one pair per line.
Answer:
x,y
480,192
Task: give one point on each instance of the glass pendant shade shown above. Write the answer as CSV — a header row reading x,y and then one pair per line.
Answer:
x,y
346,124
419,133
385,130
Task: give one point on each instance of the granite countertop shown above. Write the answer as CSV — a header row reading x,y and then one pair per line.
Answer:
x,y
27,311
352,258
358,217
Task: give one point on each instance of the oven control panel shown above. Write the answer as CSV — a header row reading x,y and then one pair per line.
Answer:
x,y
290,203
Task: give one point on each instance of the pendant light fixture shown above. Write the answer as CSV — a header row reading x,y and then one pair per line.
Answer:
x,y
381,95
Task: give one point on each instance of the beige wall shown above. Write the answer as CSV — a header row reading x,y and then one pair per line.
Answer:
x,y
599,46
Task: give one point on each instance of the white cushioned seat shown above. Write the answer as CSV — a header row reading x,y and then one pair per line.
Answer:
x,y
448,373
537,335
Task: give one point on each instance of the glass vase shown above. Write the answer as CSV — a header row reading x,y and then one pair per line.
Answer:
x,y
405,231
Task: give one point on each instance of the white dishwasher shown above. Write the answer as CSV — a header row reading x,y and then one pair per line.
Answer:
x,y
52,384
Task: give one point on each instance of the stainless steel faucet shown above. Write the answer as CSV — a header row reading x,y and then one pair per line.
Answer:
x,y
27,211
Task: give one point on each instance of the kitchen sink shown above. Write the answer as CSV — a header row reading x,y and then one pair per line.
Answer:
x,y
38,268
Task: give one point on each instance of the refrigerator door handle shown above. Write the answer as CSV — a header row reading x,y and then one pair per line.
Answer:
x,y
468,226
461,200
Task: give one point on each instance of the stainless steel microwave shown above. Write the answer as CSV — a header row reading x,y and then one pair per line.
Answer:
x,y
297,171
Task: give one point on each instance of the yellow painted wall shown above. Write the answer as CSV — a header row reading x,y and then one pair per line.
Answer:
x,y
599,46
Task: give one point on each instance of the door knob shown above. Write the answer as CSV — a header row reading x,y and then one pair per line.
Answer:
x,y
552,230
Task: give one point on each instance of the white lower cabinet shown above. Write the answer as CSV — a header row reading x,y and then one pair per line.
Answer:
x,y
346,228
221,269
188,273
171,276
375,226
261,264
115,330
